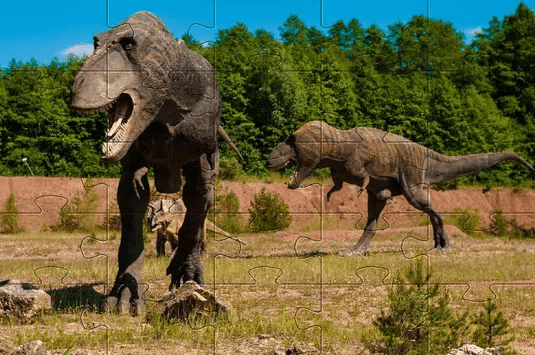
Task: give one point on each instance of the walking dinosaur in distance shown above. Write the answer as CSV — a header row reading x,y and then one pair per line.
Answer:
x,y
362,157
164,113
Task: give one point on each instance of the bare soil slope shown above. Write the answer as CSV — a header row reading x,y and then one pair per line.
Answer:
x,y
40,200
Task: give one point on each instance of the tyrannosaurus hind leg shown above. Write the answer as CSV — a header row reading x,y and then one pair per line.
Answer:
x,y
375,207
419,198
126,295
198,196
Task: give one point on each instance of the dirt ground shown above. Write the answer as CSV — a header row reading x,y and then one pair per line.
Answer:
x,y
40,200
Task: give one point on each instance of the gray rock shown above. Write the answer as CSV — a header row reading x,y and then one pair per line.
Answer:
x,y
22,301
192,298
32,348
470,349
36,347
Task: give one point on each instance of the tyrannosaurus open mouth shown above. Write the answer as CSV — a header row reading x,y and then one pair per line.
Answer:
x,y
286,155
120,110
118,117
283,162
279,165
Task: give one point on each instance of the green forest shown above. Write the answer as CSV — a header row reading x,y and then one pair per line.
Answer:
x,y
418,79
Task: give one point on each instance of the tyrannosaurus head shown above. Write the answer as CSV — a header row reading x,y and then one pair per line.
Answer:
x,y
127,75
302,149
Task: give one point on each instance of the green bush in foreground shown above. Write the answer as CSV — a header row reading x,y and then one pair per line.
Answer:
x,y
268,212
420,319
10,216
491,329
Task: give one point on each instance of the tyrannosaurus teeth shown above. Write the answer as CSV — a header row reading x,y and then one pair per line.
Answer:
x,y
116,125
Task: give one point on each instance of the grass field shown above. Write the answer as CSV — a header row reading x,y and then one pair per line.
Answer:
x,y
288,289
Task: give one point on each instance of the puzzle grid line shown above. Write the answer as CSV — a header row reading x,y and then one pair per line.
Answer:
x,y
321,213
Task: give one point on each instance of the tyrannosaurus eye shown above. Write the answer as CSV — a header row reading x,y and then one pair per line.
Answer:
x,y
290,139
127,42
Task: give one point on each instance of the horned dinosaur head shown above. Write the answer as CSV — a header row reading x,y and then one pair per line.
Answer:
x,y
302,149
127,75
162,212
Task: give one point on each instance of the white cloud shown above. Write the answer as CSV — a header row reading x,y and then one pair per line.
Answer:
x,y
79,50
473,31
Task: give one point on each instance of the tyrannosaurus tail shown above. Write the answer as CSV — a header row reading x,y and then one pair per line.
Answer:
x,y
465,165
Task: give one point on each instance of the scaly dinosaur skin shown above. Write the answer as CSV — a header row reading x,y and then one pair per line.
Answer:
x,y
384,164
164,113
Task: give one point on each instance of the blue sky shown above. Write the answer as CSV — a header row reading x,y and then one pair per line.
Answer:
x,y
44,29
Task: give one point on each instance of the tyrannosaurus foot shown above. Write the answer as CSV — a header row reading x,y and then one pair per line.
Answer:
x,y
440,249
124,297
122,306
353,252
183,269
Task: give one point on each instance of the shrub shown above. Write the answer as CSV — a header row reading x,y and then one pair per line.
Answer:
x,y
506,227
112,222
268,212
470,224
10,216
44,227
491,328
229,169
80,214
502,224
420,320
226,207
323,173
228,202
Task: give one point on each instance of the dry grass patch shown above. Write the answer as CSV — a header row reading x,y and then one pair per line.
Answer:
x,y
313,300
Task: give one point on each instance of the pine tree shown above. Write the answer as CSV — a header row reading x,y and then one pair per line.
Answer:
x,y
419,319
491,328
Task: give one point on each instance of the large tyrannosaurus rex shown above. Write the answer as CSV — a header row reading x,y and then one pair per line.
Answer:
x,y
164,113
362,156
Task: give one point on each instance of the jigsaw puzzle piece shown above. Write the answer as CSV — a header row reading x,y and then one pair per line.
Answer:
x,y
28,201
309,241
44,243
324,233
515,221
349,308
69,301
267,69
100,251
50,82
107,71
40,204
51,277
474,212
66,295
270,234
275,328
478,217
502,307
273,250
161,81
487,269
349,210
346,270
